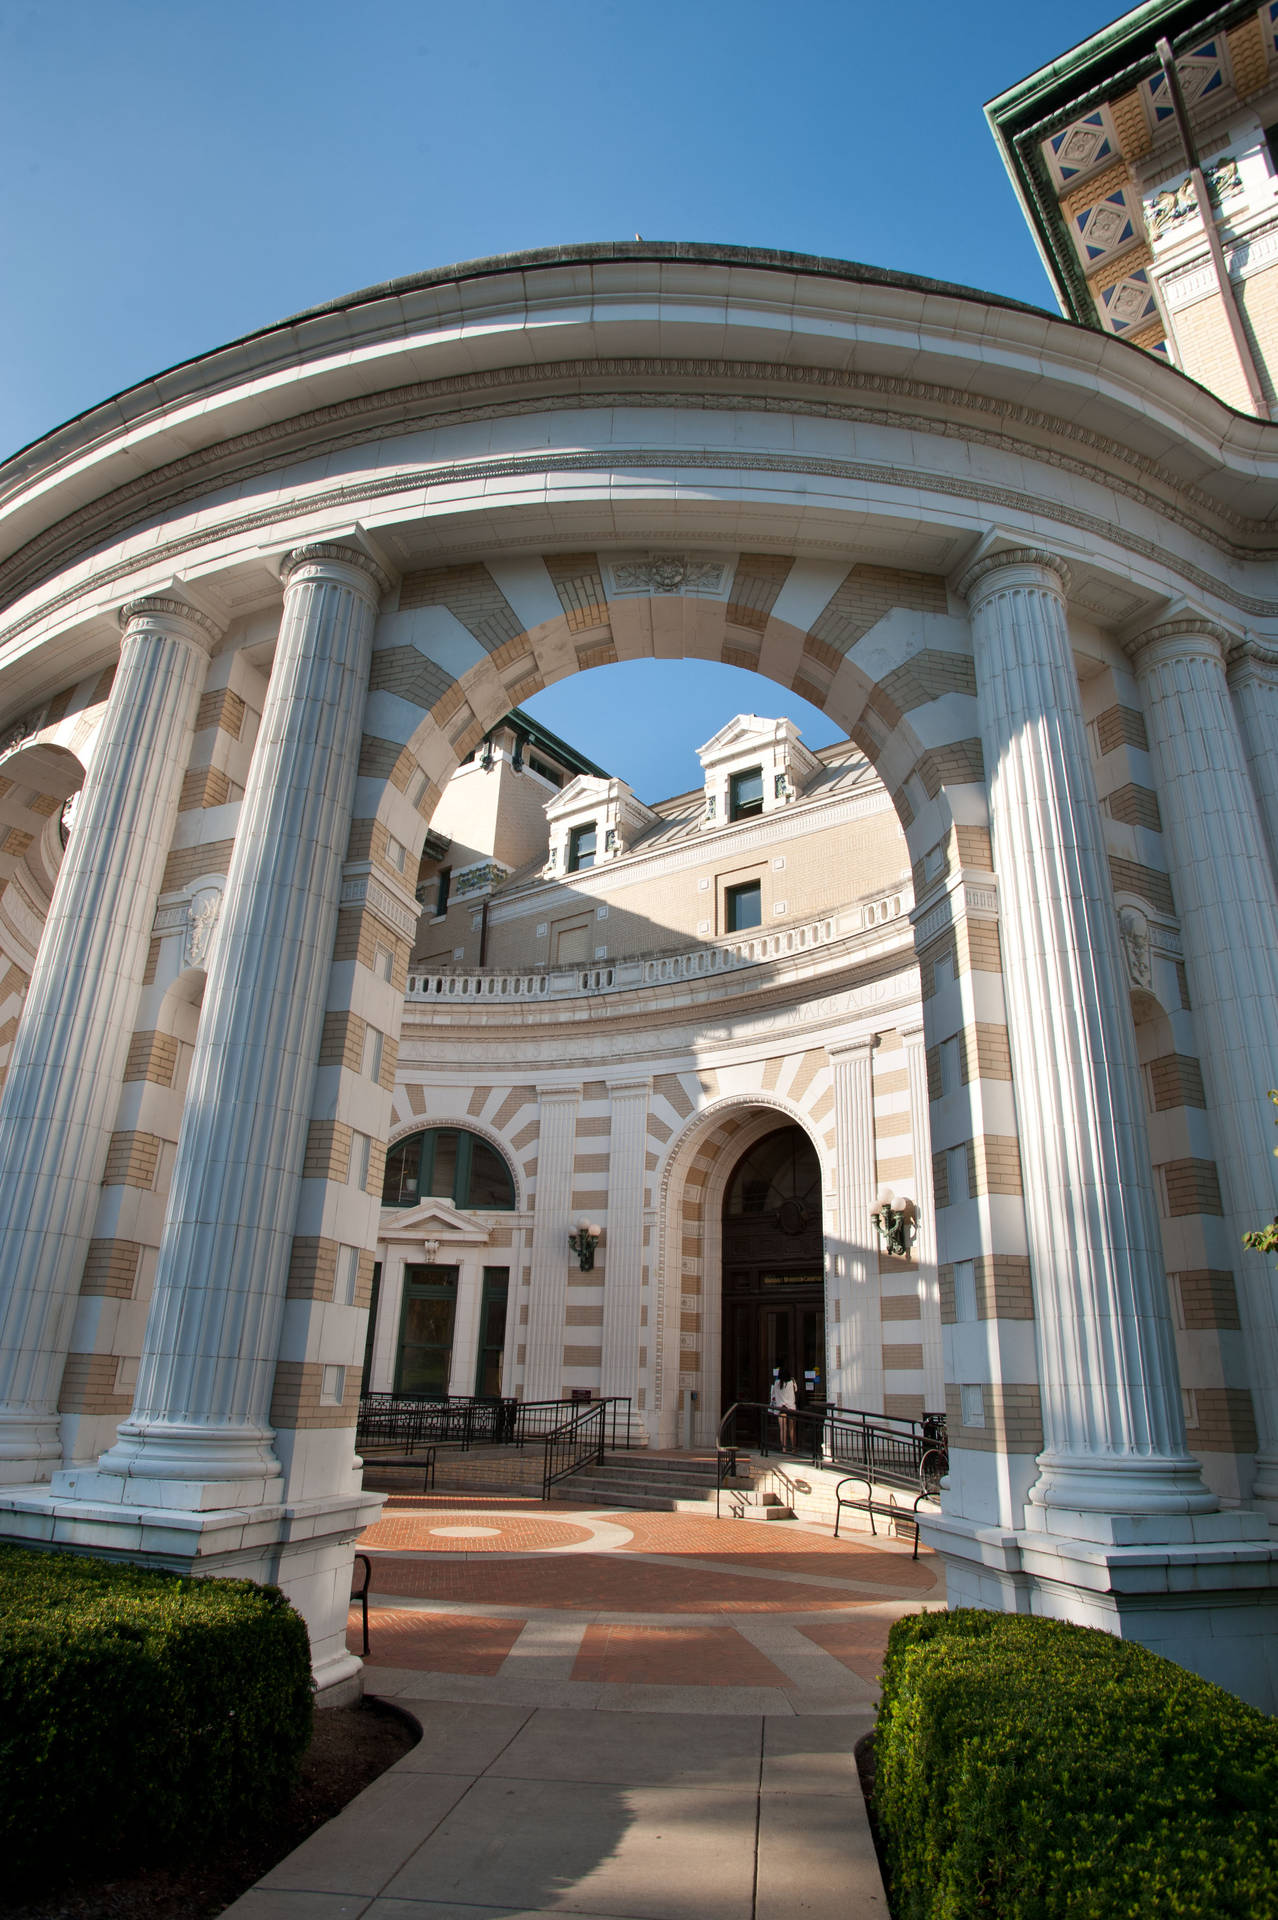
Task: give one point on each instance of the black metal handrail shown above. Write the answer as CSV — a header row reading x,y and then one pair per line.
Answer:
x,y
575,1443
879,1448
406,1421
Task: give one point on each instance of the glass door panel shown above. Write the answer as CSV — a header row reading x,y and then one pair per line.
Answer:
x,y
492,1331
426,1331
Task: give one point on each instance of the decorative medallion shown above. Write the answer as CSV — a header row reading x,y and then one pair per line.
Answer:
x,y
660,573
1133,930
201,918
1128,303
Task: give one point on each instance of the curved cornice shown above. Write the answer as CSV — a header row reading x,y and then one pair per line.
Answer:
x,y
422,406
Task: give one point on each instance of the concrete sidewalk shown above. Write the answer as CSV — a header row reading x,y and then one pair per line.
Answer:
x,y
507,1811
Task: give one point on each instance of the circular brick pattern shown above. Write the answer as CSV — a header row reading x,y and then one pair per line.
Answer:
x,y
455,1533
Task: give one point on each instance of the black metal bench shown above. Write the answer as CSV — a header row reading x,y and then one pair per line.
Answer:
x,y
927,1481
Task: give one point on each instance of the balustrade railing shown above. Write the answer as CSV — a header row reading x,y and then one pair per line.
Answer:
x,y
403,1422
662,969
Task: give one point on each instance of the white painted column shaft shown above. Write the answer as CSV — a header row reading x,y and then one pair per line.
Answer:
x,y
857,1381
1253,682
1224,890
552,1223
623,1277
60,1096
200,1412
1112,1417
925,1238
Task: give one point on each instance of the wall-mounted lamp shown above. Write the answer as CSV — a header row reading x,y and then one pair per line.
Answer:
x,y
584,1242
896,1220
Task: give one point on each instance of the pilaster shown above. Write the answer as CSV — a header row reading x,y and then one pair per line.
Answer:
x,y
1253,682
623,1281
855,1336
925,1255
552,1223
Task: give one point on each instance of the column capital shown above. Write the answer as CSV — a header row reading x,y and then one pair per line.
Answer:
x,y
631,1088
1190,636
162,612
335,560
1030,560
1253,660
550,1096
860,1049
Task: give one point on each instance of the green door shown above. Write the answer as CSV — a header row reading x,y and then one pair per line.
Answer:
x,y
426,1331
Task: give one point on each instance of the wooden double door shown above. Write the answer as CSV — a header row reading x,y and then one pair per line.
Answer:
x,y
773,1272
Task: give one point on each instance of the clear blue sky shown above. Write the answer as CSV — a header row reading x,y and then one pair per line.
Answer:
x,y
181,173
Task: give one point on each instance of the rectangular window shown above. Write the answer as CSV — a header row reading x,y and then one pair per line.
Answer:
x,y
964,1290
972,1406
442,884
332,1386
361,1156
956,1175
374,1042
746,794
492,1332
950,1065
347,1276
546,771
383,962
396,853
743,907
581,847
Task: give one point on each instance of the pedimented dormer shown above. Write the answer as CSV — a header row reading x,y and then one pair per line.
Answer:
x,y
753,766
435,1222
592,822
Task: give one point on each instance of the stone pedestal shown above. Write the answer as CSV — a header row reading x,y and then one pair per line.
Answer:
x,y
60,1095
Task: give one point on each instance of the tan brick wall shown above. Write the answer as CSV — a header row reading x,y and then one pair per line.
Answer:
x,y
758,580
328,1151
1208,1299
588,1356
900,1306
111,1268
1176,1080
1002,1286
88,1386
203,787
471,595
1121,726
927,676
221,709
360,933
577,580
411,676
312,1268
152,1056
903,1358
993,1164
1135,807
1129,876
1226,1421
342,1041
132,1159
1192,1186
295,1401
1206,348
1013,1420
185,864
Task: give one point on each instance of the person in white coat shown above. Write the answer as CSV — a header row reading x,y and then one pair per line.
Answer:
x,y
782,1400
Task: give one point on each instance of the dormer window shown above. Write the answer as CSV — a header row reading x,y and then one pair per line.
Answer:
x,y
581,847
746,794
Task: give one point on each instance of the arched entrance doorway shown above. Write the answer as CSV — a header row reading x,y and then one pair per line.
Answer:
x,y
773,1283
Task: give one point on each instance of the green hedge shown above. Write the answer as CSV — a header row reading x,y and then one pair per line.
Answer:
x,y
1027,1768
142,1715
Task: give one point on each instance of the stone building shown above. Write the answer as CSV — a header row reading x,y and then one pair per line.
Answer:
x,y
1112,170
255,614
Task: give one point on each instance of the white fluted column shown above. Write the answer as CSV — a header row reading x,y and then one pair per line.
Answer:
x,y
552,1223
623,1277
925,1237
200,1412
1224,889
857,1380
59,1101
1253,682
1112,1418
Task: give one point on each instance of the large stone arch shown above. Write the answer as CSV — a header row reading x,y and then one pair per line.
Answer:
x,y
905,502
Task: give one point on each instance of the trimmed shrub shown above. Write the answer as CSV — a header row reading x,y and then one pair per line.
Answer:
x,y
142,1715
1027,1768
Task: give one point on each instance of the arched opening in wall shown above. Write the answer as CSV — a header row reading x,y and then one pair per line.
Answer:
x,y
442,1282
39,786
772,1276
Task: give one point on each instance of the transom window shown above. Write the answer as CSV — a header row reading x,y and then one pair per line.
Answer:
x,y
745,794
743,907
581,847
780,1176
447,1163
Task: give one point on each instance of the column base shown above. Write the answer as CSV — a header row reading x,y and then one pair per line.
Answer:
x,y
152,1453
305,1547
1208,1601
30,1447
